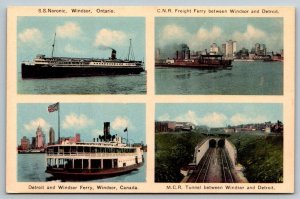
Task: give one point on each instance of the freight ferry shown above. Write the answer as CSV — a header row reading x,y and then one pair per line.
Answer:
x,y
92,160
61,67
207,61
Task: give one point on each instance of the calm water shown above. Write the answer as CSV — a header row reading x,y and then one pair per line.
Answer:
x,y
31,168
122,84
245,78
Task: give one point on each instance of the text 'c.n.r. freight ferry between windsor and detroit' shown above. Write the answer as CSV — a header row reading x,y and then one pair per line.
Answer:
x,y
61,67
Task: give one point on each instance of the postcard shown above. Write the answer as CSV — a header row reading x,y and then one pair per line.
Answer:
x,y
150,99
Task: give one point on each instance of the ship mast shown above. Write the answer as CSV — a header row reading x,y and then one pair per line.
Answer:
x,y
129,50
53,45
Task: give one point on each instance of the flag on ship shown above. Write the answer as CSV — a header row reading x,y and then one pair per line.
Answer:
x,y
53,107
126,130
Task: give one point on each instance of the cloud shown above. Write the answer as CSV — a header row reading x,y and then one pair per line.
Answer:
x,y
245,119
189,116
68,30
204,34
164,117
107,37
250,34
31,35
120,123
74,121
71,49
214,120
174,34
97,132
33,125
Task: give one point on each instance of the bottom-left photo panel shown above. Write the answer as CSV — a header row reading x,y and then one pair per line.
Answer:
x,y
71,142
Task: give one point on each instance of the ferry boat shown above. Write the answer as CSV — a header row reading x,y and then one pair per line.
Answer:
x,y
89,160
62,67
207,61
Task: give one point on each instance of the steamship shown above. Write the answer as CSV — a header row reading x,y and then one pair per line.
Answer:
x,y
207,61
61,67
106,156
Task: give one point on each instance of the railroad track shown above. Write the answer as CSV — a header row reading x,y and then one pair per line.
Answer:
x,y
226,167
200,174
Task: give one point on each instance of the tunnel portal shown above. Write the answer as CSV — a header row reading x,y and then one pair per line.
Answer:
x,y
212,143
221,143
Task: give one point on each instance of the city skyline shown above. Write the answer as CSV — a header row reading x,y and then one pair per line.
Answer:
x,y
200,33
85,119
84,37
219,115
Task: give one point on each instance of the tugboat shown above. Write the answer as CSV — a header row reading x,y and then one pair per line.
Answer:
x,y
61,67
106,156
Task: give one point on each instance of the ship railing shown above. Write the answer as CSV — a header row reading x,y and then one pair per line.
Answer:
x,y
90,154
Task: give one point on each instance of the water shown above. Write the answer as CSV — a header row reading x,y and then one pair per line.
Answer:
x,y
31,168
245,78
121,84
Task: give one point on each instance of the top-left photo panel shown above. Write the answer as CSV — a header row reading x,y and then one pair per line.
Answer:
x,y
81,55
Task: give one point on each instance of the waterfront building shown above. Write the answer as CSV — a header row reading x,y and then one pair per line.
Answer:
x,y
224,49
230,49
51,136
74,139
33,142
25,143
40,138
171,126
214,49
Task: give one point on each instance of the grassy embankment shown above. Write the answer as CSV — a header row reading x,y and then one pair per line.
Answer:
x,y
172,151
261,155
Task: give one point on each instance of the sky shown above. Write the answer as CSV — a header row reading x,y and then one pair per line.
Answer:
x,y
80,36
84,118
219,115
199,33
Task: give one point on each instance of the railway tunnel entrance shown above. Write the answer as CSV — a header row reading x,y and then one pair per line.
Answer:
x,y
221,143
212,143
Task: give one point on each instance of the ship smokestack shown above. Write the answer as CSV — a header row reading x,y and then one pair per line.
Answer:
x,y
177,54
113,54
106,130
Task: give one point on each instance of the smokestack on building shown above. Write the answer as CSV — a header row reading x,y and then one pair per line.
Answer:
x,y
113,54
106,130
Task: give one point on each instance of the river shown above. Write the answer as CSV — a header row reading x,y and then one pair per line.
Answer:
x,y
31,168
119,84
244,78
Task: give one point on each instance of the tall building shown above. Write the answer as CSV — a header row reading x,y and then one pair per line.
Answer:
x,y
214,48
257,48
33,142
224,49
230,49
25,143
51,136
40,138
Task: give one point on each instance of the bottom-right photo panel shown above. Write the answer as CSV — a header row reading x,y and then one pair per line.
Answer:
x,y
219,142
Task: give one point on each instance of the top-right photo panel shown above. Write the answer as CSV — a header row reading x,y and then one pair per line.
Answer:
x,y
219,56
